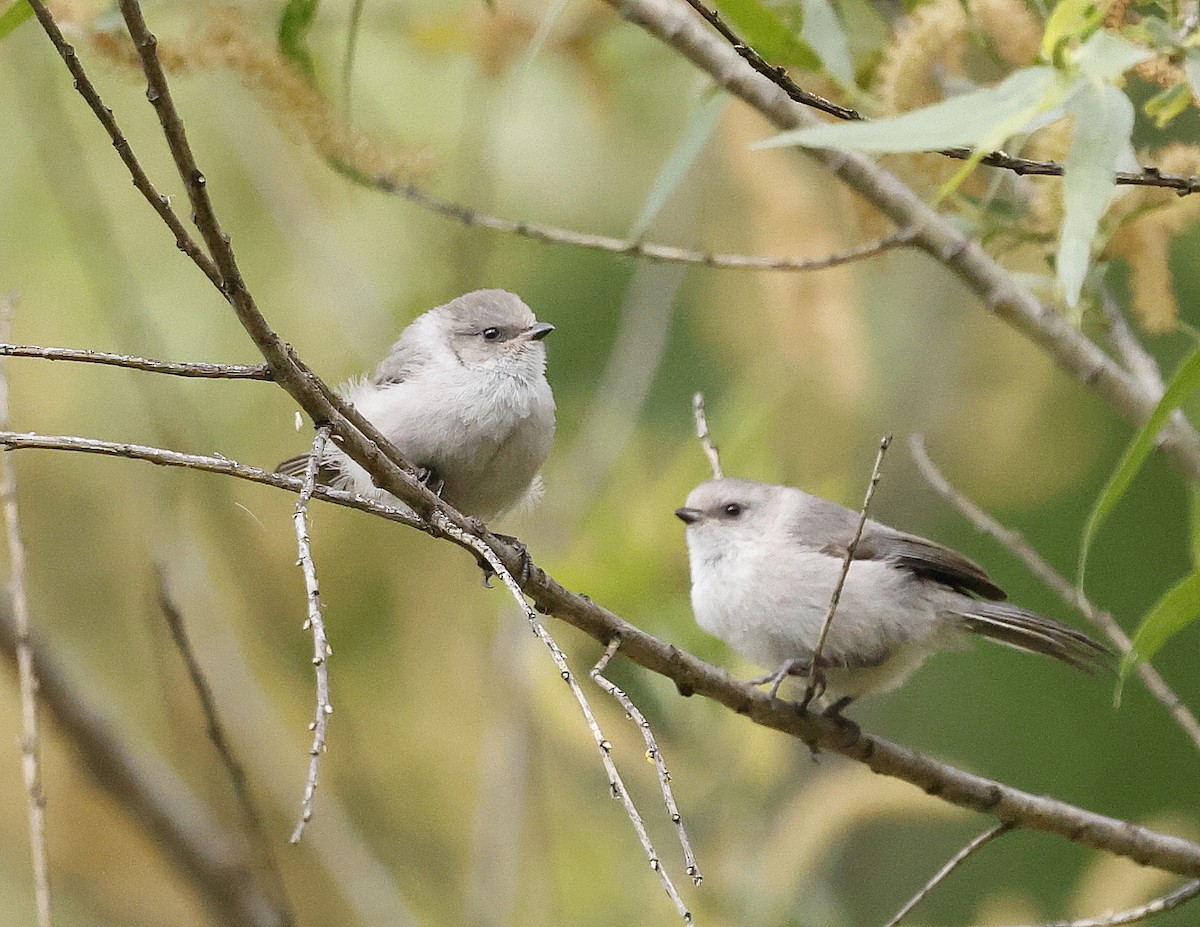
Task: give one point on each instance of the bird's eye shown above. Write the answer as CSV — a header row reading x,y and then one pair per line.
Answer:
x,y
733,510
490,334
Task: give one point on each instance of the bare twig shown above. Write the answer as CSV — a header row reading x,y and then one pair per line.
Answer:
x,y
190,369
652,752
1067,590
1147,177
316,623
484,549
706,441
955,861
251,819
1133,354
160,203
1168,902
776,75
31,744
632,247
851,549
222,465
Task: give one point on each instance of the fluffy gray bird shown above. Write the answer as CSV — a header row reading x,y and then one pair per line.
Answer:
x,y
463,396
764,563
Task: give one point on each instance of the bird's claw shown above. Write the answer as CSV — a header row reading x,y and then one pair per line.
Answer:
x,y
525,571
428,478
795,666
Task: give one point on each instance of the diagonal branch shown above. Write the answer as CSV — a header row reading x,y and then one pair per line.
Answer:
x,y
1168,902
851,548
953,863
1012,806
160,203
1017,545
998,290
252,820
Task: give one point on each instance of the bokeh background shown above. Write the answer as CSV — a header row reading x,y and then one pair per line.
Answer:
x,y
461,786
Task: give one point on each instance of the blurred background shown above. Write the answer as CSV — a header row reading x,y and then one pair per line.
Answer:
x,y
461,785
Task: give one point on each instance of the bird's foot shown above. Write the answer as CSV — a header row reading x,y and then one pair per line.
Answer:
x,y
428,478
795,666
525,571
815,688
834,713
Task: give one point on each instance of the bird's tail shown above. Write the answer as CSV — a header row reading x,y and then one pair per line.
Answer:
x,y
1023,630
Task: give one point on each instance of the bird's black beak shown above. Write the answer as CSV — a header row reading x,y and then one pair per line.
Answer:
x,y
539,331
688,516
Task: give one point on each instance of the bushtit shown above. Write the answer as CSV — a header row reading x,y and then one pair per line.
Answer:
x,y
765,560
463,396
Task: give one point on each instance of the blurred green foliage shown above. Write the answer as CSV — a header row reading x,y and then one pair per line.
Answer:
x,y
460,781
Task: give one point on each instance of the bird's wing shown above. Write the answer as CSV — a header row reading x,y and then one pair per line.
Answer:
x,y
927,559
835,524
406,357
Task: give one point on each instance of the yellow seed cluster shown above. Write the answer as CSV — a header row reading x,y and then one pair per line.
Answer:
x,y
1011,27
1148,219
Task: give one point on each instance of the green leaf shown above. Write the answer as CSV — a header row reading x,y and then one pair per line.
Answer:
x,y
1178,608
14,16
295,22
1166,105
769,35
1103,124
824,32
1185,381
1105,57
1071,19
972,119
679,161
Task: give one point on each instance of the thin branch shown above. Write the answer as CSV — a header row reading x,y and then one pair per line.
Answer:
x,y
222,465
851,549
999,292
160,203
693,676
706,441
190,369
1066,590
484,549
1147,177
1168,902
31,743
776,75
316,623
251,818
955,861
653,753
1133,354
633,247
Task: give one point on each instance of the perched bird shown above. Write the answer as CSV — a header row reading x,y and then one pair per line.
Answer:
x,y
765,560
463,396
